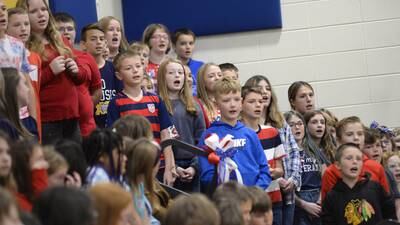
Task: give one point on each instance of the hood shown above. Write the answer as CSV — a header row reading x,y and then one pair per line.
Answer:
x,y
222,125
342,187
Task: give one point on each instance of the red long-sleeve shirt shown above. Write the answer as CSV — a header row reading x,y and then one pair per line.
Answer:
x,y
58,93
332,175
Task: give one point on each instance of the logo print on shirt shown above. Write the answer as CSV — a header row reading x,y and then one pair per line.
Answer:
x,y
358,211
151,108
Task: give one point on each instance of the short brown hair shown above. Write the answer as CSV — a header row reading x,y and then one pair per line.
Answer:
x,y
343,122
121,56
371,136
226,86
340,150
246,90
93,26
182,31
16,11
261,201
195,209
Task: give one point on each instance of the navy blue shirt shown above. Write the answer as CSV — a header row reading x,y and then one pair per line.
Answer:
x,y
9,129
310,172
110,86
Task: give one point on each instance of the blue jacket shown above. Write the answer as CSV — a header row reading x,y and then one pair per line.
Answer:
x,y
250,157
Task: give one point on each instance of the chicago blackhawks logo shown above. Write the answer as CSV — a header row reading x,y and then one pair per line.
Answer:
x,y
358,211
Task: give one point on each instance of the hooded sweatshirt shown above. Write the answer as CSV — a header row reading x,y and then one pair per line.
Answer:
x,y
367,203
250,158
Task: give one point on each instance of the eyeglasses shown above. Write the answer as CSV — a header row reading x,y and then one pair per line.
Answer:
x,y
298,124
160,36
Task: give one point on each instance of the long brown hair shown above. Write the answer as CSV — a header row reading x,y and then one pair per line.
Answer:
x,y
202,93
9,107
326,144
272,113
51,33
143,156
185,93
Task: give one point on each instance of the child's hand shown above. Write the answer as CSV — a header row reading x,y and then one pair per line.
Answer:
x,y
170,176
286,185
57,65
311,208
188,174
71,66
74,180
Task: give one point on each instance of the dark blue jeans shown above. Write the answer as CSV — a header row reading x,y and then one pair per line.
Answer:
x,y
301,217
277,212
287,209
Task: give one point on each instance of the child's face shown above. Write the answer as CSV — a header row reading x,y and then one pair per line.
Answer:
x,y
131,71
22,91
94,43
175,77
246,209
147,85
38,15
159,41
212,75
316,126
3,17
37,160
106,51
393,164
386,144
184,46
266,92
19,27
304,100
230,74
189,76
259,218
5,158
350,163
353,133
230,106
58,177
67,30
144,56
374,151
113,34
252,106
297,126
397,143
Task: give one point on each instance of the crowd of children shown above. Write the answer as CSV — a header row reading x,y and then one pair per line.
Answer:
x,y
82,125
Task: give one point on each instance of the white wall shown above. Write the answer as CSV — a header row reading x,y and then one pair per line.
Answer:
x,y
349,50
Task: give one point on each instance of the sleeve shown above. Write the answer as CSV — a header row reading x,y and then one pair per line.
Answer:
x,y
25,65
39,181
95,81
9,129
264,177
206,169
84,72
387,203
195,163
165,120
382,179
293,156
46,76
199,124
329,179
327,214
112,113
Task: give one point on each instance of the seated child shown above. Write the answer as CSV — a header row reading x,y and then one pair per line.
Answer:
x,y
229,70
354,200
230,195
192,209
261,211
247,152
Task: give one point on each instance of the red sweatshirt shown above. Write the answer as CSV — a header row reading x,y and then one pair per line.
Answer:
x,y
58,93
39,184
332,175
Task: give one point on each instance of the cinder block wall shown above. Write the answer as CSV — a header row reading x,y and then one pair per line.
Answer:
x,y
349,50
